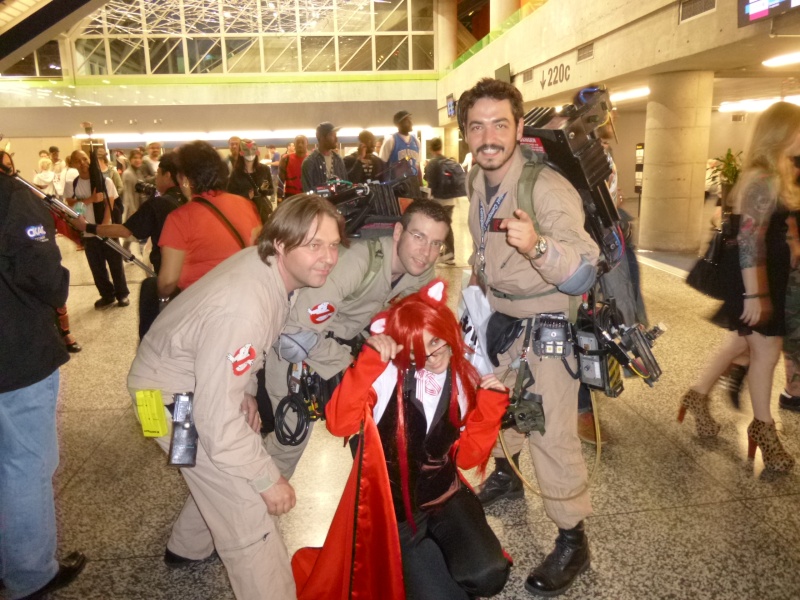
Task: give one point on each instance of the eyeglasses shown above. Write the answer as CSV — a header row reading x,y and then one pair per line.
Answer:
x,y
421,240
437,352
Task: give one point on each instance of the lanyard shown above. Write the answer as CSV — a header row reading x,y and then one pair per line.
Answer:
x,y
486,221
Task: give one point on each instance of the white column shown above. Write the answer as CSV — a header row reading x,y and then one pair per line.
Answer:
x,y
675,153
500,10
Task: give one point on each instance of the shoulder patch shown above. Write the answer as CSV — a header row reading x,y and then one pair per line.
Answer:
x,y
321,312
37,233
242,359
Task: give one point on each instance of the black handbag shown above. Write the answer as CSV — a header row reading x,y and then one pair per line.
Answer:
x,y
715,272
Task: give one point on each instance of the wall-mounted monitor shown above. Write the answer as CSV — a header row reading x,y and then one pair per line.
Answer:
x,y
451,106
753,11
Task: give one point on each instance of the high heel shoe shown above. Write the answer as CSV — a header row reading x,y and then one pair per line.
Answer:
x,y
765,436
697,404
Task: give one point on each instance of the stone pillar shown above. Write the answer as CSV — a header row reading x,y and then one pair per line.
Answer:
x,y
446,34
499,11
675,153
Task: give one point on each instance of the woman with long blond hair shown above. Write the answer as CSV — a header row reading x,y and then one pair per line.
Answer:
x,y
754,310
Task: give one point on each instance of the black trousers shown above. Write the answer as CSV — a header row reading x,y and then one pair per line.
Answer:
x,y
454,555
99,255
148,304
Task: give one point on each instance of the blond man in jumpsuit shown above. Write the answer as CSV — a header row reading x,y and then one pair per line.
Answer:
x,y
211,340
515,262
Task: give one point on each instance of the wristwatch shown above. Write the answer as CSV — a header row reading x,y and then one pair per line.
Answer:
x,y
540,248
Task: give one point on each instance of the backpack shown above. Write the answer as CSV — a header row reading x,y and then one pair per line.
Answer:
x,y
451,182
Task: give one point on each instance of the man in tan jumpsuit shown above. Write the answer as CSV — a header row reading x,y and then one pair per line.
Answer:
x,y
344,306
515,262
211,341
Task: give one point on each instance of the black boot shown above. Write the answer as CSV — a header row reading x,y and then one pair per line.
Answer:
x,y
569,559
732,381
502,483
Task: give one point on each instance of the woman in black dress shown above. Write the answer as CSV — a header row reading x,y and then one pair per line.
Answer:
x,y
754,309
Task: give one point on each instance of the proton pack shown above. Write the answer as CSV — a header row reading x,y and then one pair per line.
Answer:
x,y
369,209
567,141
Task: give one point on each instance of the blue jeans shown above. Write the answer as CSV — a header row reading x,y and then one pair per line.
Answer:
x,y
28,460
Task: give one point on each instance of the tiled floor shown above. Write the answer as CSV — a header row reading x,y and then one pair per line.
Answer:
x,y
674,517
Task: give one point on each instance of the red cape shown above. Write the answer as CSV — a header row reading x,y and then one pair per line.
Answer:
x,y
361,555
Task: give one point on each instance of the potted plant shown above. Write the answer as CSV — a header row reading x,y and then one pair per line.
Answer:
x,y
726,172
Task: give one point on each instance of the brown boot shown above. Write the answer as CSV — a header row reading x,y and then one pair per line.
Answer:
x,y
765,436
697,404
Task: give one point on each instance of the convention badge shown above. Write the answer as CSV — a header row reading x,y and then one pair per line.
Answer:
x,y
150,408
321,312
242,359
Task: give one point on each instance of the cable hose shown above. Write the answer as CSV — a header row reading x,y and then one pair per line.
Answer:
x,y
591,477
283,432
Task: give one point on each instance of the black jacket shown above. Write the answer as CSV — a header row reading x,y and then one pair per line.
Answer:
x,y
355,169
313,170
32,285
259,183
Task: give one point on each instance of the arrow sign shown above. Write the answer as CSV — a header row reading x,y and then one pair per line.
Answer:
x,y
544,79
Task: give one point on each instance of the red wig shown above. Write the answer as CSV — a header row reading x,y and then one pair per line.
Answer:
x,y
404,322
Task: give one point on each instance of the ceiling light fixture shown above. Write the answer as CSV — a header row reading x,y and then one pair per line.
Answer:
x,y
188,136
755,105
783,60
641,92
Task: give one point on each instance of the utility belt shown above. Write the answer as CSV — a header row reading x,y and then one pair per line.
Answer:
x,y
549,335
183,445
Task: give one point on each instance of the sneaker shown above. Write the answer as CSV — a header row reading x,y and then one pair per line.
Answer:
x,y
123,301
789,402
104,303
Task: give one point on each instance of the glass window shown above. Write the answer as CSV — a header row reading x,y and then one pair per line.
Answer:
x,y
280,55
252,36
49,60
391,16
240,16
353,16
90,56
161,16
391,52
204,55
316,16
278,16
355,53
200,16
166,56
318,53
127,56
243,55
123,20
422,53
95,26
24,68
422,15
